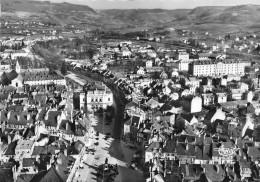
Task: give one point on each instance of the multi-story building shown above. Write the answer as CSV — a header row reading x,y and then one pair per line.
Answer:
x,y
218,67
32,77
183,56
97,96
192,104
183,64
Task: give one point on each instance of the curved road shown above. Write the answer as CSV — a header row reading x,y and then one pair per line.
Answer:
x,y
119,100
117,149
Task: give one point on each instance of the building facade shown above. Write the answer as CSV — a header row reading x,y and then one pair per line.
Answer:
x,y
98,96
217,67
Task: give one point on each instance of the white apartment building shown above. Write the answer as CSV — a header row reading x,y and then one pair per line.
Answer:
x,y
218,67
183,56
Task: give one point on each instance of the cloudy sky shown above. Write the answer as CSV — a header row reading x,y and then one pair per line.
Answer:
x,y
165,4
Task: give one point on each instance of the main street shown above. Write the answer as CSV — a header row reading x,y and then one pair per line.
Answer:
x,y
116,151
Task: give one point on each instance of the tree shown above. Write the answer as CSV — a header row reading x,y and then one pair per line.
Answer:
x,y
64,68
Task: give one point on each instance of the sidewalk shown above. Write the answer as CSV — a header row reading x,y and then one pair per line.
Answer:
x,y
115,151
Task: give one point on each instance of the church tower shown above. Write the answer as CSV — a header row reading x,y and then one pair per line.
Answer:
x,y
17,68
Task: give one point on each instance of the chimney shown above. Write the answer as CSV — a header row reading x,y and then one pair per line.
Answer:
x,y
151,173
57,167
187,146
67,126
48,166
28,116
9,139
8,115
187,170
157,137
18,117
66,152
244,157
204,170
217,168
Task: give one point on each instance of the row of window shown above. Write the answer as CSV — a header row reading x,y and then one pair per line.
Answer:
x,y
98,100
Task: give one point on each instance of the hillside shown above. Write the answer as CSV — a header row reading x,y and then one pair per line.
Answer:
x,y
215,19
60,13
145,17
242,18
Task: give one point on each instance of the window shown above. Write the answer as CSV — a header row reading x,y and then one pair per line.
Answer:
x,y
108,99
92,100
100,100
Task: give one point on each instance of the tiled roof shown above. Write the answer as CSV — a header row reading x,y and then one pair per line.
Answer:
x,y
64,124
37,150
41,98
52,118
30,132
170,146
29,76
50,176
4,96
254,153
248,133
187,117
17,108
25,177
212,173
185,149
12,75
28,162
11,149
184,138
165,107
191,171
75,148
153,145
21,118
19,96
6,175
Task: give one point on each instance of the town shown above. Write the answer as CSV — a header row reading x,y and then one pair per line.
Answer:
x,y
170,106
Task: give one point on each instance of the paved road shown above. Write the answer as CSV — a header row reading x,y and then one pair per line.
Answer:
x,y
114,149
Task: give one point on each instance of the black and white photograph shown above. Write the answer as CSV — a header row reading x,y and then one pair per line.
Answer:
x,y
129,90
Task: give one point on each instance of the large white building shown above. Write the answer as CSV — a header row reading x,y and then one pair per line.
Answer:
x,y
97,96
183,56
217,67
183,65
35,77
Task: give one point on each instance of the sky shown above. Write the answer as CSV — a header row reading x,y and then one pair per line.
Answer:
x,y
151,4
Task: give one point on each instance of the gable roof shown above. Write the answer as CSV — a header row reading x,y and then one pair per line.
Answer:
x,y
50,176
12,75
153,145
75,148
11,148
165,107
37,150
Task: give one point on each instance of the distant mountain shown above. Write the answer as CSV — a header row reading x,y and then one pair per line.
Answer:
x,y
244,18
61,13
215,19
145,17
